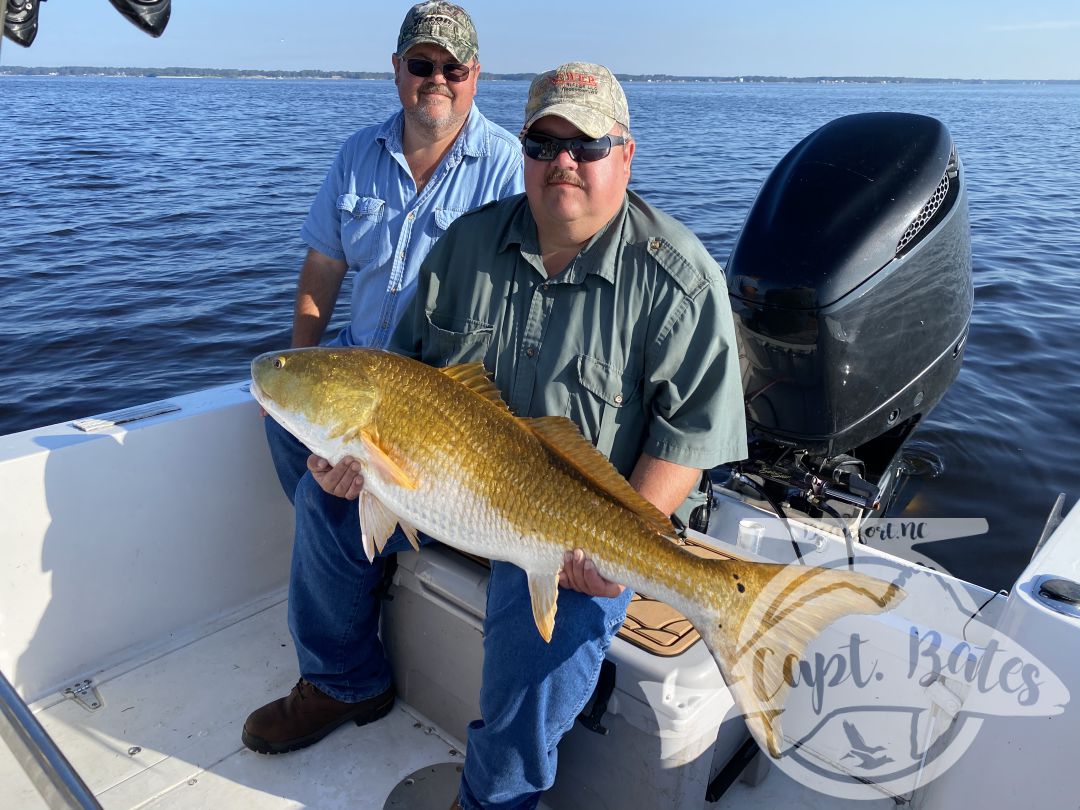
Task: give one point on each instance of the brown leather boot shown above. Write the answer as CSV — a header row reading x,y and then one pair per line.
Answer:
x,y
305,716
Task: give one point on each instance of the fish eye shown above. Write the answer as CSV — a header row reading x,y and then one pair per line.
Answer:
x,y
279,362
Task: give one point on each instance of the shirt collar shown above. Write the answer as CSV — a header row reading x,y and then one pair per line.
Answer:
x,y
472,140
599,256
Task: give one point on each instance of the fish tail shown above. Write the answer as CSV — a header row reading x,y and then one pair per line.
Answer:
x,y
758,633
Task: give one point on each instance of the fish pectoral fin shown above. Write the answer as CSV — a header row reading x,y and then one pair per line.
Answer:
x,y
376,524
384,464
544,593
759,653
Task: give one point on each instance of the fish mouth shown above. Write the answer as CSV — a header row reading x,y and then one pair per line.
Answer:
x,y
257,392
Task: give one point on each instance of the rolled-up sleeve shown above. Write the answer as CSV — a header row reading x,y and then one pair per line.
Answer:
x,y
693,384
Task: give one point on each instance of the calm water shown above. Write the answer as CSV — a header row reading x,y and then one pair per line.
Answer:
x,y
150,246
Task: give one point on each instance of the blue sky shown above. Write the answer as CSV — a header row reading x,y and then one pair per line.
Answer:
x,y
990,39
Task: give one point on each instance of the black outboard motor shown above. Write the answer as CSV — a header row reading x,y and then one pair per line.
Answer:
x,y
851,288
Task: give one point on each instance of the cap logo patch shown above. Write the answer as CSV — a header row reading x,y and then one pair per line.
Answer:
x,y
582,81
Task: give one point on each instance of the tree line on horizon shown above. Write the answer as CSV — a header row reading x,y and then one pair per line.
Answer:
x,y
247,73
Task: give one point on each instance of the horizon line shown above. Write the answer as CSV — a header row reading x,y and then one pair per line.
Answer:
x,y
526,75
522,75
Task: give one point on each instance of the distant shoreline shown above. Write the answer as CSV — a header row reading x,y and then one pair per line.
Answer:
x,y
228,73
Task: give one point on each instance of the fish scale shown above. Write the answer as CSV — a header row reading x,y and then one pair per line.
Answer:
x,y
442,454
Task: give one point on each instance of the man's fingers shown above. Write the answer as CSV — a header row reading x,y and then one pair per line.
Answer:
x,y
343,480
596,584
578,573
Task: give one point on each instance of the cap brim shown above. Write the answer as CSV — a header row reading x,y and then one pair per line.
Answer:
x,y
589,121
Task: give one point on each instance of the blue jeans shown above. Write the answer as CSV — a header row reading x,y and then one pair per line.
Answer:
x,y
531,692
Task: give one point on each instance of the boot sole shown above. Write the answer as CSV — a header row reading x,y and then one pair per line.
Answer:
x,y
261,746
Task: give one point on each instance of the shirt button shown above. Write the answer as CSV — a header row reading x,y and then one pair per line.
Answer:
x,y
531,351
412,214
618,399
385,324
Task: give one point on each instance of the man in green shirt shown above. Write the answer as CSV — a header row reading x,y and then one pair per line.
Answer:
x,y
583,301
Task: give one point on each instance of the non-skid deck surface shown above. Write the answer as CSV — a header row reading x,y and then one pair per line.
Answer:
x,y
184,713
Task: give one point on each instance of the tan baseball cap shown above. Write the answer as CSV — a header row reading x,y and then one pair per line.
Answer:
x,y
442,24
585,94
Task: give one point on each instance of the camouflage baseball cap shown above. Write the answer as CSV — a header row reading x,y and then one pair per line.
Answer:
x,y
586,95
442,24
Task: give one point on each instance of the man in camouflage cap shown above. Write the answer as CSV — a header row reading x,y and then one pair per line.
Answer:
x,y
390,194
586,95
442,24
583,301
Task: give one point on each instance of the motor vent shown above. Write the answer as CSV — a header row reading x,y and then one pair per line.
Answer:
x,y
931,207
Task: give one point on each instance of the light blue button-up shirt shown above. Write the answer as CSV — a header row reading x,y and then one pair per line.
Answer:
x,y
368,213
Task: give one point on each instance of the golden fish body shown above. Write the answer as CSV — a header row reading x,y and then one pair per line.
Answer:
x,y
442,454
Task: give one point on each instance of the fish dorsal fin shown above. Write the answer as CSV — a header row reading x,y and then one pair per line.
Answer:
x,y
475,377
562,438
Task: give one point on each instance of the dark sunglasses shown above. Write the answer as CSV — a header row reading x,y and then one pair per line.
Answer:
x,y
451,71
586,150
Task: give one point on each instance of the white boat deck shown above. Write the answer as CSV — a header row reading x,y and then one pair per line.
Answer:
x,y
168,736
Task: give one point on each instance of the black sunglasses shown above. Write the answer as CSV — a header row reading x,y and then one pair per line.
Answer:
x,y
451,71
586,150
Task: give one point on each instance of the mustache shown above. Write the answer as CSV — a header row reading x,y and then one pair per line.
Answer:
x,y
560,175
436,89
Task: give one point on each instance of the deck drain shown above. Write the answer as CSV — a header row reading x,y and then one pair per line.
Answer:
x,y
431,788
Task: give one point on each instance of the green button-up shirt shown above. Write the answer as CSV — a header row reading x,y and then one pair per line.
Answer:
x,y
633,341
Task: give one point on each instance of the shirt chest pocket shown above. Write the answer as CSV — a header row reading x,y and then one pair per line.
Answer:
x,y
609,399
450,342
362,227
444,218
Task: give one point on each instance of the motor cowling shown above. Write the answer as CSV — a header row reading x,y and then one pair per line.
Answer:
x,y
851,284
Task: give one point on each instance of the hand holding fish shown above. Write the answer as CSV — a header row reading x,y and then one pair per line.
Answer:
x,y
343,480
578,573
